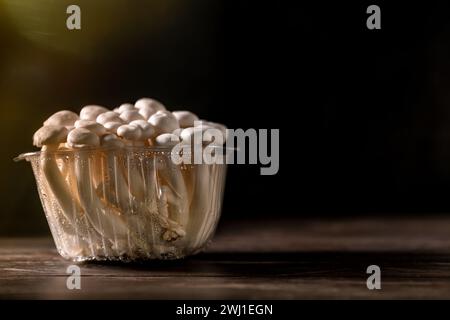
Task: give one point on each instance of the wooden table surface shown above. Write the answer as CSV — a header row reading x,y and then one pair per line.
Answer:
x,y
280,259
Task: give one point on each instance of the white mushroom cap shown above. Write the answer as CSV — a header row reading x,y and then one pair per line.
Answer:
x,y
166,112
148,107
127,125
130,115
215,125
152,103
130,132
112,126
178,131
93,126
164,122
147,129
111,141
80,138
167,140
185,118
50,135
207,134
63,118
147,111
91,112
125,106
109,116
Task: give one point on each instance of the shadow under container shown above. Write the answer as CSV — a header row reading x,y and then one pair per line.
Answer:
x,y
127,204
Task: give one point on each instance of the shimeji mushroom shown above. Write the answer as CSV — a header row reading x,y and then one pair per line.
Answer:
x,y
64,118
148,131
164,122
109,116
200,222
116,183
135,136
49,137
185,118
148,107
173,230
153,103
67,119
116,197
107,221
170,173
129,115
146,112
114,186
214,136
137,133
131,134
99,130
198,178
91,112
92,126
112,126
124,107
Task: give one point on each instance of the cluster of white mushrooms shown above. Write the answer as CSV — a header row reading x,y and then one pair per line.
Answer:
x,y
113,197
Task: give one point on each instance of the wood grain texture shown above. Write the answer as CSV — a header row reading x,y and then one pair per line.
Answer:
x,y
279,259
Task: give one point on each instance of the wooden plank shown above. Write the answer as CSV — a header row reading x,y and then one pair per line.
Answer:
x,y
280,259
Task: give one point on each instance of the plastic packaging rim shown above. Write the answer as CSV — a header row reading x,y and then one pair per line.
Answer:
x,y
152,149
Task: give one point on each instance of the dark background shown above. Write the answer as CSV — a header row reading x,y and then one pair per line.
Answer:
x,y
364,115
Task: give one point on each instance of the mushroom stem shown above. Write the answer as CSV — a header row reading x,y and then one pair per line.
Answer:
x,y
135,177
151,201
196,138
189,178
50,137
58,187
171,176
173,230
177,195
106,221
200,206
132,136
114,186
215,176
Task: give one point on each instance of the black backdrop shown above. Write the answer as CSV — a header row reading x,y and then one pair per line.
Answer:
x,y
364,115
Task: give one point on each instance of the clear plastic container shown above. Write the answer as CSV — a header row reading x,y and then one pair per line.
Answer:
x,y
127,204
